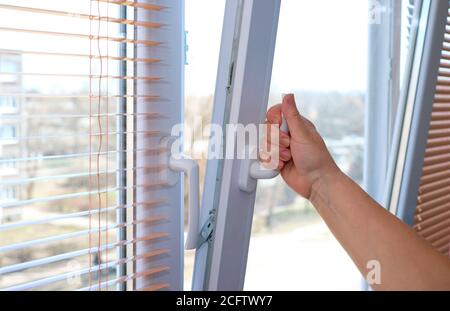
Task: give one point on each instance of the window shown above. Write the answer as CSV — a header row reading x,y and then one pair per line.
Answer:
x,y
287,237
9,67
8,102
99,84
7,132
201,69
327,85
7,194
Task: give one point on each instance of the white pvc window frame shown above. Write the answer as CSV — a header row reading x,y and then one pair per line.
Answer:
x,y
242,92
170,104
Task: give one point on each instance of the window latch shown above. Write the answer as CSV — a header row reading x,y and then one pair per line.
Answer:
x,y
207,230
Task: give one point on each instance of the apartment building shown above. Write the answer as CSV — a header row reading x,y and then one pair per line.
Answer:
x,y
11,127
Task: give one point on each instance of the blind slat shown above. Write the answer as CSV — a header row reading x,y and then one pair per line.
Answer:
x,y
429,152
433,229
432,195
80,36
136,4
37,137
86,56
22,224
80,15
84,76
78,194
441,182
66,236
65,256
435,168
422,216
148,151
64,276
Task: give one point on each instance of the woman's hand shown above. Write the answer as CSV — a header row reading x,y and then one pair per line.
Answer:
x,y
367,231
304,158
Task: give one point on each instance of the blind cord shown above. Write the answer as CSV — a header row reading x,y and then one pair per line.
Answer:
x,y
100,127
90,146
107,138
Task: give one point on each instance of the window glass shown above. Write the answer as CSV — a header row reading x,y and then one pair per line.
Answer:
x,y
50,76
321,57
7,102
7,131
7,193
204,33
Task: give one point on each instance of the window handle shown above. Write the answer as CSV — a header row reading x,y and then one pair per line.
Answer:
x,y
175,162
251,169
190,167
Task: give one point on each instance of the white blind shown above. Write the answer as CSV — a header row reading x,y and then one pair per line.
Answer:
x,y
78,89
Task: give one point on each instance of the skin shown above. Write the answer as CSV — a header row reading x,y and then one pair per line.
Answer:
x,y
365,229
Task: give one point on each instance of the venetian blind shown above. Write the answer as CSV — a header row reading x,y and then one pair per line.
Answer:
x,y
83,103
432,217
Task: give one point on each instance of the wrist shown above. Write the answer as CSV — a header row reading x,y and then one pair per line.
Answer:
x,y
324,179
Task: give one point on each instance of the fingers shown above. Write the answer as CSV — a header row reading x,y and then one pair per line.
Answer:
x,y
284,139
280,166
285,154
274,115
281,154
295,122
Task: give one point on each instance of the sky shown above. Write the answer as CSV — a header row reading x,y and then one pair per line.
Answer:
x,y
321,45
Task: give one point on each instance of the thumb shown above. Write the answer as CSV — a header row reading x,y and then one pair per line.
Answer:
x,y
294,120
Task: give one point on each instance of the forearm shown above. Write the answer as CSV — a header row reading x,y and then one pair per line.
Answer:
x,y
369,232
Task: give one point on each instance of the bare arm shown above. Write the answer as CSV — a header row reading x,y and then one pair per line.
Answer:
x,y
364,228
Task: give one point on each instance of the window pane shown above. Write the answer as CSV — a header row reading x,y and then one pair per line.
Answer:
x,y
47,80
321,56
204,32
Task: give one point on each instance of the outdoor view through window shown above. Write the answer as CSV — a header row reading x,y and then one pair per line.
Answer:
x,y
321,57
48,143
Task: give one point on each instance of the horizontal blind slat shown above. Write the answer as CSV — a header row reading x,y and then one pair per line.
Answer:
x,y
81,36
84,76
21,224
86,56
150,151
136,4
79,194
60,277
12,181
69,255
146,133
66,236
80,15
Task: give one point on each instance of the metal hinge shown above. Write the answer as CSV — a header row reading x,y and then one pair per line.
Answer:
x,y
207,230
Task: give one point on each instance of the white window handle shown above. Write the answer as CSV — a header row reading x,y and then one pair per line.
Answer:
x,y
185,164
251,169
190,167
